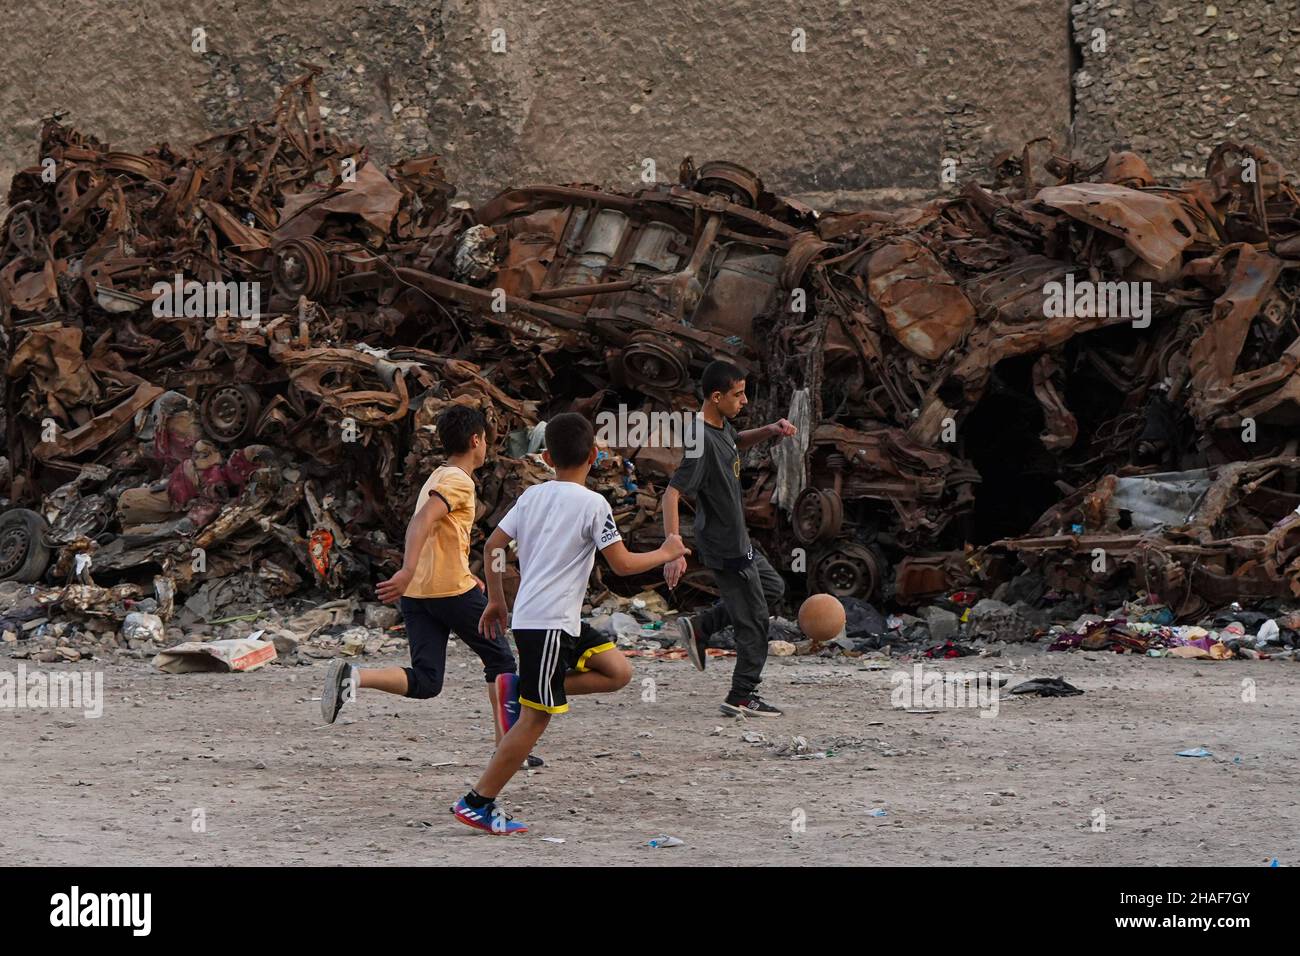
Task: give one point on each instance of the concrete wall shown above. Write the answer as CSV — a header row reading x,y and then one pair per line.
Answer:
x,y
586,90
1172,78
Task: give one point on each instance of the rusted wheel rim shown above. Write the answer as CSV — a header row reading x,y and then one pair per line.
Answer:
x,y
15,541
228,412
852,571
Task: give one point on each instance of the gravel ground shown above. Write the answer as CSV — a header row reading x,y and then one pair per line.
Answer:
x,y
249,755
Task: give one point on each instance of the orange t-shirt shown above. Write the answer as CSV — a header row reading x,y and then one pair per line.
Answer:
x,y
443,568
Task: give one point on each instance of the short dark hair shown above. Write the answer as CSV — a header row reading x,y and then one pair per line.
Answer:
x,y
719,376
457,426
569,439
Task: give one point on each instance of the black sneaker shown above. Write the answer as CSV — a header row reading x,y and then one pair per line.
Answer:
x,y
338,689
533,762
751,706
694,643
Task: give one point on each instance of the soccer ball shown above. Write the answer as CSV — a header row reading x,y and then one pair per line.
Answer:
x,y
821,617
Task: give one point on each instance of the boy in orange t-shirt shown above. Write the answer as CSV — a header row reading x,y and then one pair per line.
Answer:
x,y
438,595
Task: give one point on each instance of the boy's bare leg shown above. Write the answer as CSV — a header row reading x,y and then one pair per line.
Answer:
x,y
391,680
606,672
512,751
492,703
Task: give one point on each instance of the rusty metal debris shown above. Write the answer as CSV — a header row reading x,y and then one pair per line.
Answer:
x,y
226,360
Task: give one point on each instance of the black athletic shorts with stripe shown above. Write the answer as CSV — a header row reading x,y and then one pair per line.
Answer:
x,y
546,656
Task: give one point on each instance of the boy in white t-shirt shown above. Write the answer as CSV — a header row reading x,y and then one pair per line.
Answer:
x,y
557,526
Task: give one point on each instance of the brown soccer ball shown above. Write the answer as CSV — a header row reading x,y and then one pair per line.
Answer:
x,y
821,617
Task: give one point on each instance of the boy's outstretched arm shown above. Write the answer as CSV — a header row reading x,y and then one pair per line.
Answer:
x,y
674,569
777,429
417,532
495,618
625,562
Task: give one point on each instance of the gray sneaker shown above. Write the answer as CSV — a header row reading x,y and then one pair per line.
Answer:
x,y
338,689
694,643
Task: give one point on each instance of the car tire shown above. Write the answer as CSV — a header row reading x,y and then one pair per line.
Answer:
x,y
24,549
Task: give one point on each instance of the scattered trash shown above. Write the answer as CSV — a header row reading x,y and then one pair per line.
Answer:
x,y
1195,752
1047,687
948,650
142,627
1269,633
662,842
223,656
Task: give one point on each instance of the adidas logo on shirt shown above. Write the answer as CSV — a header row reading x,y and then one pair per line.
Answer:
x,y
609,532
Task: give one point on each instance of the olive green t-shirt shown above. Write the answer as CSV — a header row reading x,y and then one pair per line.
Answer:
x,y
712,480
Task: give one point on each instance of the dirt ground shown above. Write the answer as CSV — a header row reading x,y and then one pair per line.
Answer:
x,y
276,786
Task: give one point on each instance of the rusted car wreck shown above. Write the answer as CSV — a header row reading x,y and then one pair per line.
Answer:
x,y
978,382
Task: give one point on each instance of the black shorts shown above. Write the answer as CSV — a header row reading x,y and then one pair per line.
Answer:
x,y
546,656
430,621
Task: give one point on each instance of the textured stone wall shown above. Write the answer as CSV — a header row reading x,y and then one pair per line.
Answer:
x,y
881,95
1171,78
585,90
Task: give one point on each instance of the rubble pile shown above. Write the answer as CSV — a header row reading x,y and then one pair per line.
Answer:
x,y
223,364
954,628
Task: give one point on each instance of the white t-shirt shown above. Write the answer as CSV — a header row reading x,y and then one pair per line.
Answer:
x,y
557,526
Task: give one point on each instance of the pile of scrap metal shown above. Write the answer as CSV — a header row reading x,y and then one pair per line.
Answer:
x,y
950,417
153,431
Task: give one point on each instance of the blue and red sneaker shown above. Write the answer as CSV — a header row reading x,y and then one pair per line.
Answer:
x,y
490,819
